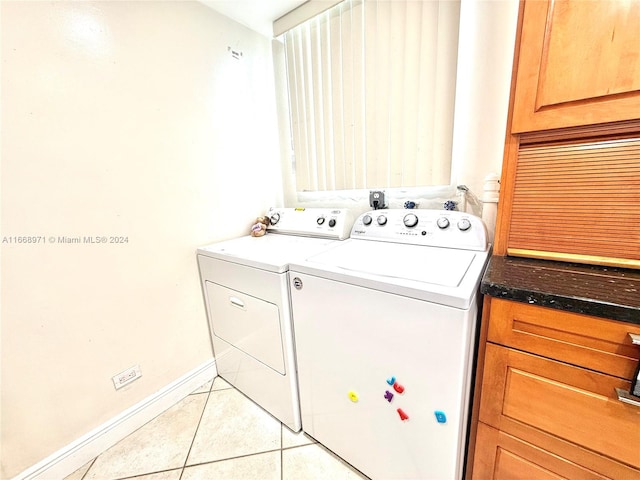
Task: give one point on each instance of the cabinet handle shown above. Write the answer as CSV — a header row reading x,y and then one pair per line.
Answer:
x,y
236,302
635,338
626,397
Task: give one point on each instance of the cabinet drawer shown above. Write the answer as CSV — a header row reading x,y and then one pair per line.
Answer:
x,y
501,456
523,394
590,342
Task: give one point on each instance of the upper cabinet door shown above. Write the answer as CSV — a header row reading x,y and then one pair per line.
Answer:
x,y
579,64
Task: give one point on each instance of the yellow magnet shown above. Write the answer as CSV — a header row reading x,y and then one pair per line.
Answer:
x,y
353,396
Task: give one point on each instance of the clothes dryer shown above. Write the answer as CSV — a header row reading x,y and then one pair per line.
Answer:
x,y
246,293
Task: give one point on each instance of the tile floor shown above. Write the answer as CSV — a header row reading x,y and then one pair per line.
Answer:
x,y
216,433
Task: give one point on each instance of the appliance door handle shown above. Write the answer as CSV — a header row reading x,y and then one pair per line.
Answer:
x,y
236,302
626,397
635,338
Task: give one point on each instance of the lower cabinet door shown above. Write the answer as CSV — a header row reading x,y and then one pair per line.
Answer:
x,y
500,456
567,410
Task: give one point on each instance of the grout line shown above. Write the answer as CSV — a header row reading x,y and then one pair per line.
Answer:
x,y
281,455
235,458
150,473
85,473
298,446
186,458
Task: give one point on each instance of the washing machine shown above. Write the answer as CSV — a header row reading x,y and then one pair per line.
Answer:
x,y
385,334
246,293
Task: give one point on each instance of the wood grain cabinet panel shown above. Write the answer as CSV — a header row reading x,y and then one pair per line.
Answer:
x,y
525,392
547,406
501,456
579,64
591,342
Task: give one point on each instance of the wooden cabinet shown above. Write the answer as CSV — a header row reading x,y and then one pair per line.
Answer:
x,y
570,187
545,402
579,64
500,456
548,406
589,342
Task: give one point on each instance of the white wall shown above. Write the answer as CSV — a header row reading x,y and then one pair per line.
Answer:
x,y
129,119
485,59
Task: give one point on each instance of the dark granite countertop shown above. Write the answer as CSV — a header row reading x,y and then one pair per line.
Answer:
x,y
590,289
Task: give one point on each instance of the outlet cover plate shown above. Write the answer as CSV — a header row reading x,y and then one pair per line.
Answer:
x,y
126,377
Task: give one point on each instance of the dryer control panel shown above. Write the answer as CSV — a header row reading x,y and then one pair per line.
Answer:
x,y
434,228
332,223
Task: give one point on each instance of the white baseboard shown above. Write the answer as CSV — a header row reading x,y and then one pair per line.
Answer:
x,y
68,459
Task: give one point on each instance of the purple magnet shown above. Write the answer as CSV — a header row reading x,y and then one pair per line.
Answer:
x,y
388,395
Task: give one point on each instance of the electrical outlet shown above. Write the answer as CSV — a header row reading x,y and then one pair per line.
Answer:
x,y
377,199
126,377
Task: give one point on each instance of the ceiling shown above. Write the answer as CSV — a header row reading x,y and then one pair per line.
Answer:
x,y
255,14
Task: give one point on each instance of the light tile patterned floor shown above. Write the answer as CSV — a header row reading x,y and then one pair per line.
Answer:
x,y
216,433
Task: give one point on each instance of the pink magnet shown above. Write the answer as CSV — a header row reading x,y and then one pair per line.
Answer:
x,y
403,416
398,388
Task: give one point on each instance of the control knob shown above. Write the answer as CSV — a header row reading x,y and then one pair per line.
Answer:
x,y
464,224
275,218
382,220
443,222
320,220
367,220
332,222
410,220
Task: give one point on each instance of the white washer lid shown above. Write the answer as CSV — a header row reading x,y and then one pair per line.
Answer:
x,y
271,252
446,276
437,266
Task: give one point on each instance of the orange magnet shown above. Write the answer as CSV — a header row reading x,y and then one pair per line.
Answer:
x,y
403,416
353,396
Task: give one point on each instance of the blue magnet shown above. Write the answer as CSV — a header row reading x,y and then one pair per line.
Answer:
x,y
391,380
440,416
388,395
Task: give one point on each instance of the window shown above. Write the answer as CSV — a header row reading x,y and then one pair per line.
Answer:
x,y
371,93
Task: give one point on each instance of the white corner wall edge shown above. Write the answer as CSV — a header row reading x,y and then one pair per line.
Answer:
x,y
73,456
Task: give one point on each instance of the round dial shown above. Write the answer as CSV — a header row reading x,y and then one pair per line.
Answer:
x,y
332,222
410,220
382,220
320,220
275,218
464,224
367,219
443,223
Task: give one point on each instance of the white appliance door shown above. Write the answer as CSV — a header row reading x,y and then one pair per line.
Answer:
x,y
248,323
384,379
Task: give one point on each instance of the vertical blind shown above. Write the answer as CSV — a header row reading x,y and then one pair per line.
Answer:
x,y
371,93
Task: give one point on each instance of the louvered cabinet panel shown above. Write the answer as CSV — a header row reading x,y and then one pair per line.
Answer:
x,y
578,202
